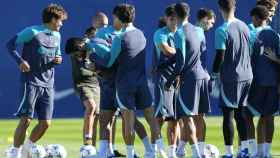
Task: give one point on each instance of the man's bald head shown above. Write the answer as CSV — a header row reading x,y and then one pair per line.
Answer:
x,y
100,20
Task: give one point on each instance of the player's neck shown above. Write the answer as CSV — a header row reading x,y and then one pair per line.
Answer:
x,y
229,17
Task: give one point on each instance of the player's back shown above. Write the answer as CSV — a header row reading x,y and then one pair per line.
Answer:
x,y
265,70
131,69
194,39
236,65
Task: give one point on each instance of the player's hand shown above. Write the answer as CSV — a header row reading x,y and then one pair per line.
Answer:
x,y
269,53
57,60
24,66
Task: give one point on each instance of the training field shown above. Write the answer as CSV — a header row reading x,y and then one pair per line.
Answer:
x,y
68,133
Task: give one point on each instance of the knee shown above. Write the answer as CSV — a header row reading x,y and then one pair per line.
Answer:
x,y
25,122
45,124
90,108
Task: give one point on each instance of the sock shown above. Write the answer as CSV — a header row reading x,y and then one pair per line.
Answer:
x,y
267,149
181,147
26,147
103,146
130,151
261,149
110,150
229,150
201,146
195,151
159,143
244,144
172,151
253,147
147,145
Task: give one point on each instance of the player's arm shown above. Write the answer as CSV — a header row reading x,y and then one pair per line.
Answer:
x,y
103,54
179,59
160,41
58,56
220,45
12,45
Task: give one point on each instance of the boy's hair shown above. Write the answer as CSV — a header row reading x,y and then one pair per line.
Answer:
x,y
125,13
161,22
269,4
182,10
170,10
205,12
90,31
261,12
227,5
74,44
53,11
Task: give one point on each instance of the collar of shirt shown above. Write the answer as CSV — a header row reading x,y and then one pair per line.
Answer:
x,y
130,27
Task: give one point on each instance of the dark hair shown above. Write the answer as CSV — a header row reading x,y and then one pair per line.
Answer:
x,y
73,44
90,31
205,12
182,10
53,11
261,12
161,22
125,12
269,4
170,10
227,5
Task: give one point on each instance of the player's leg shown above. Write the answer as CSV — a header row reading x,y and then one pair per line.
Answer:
x,y
228,130
94,129
155,130
271,108
129,134
200,131
88,120
20,133
190,131
242,127
172,137
269,132
204,108
181,152
251,135
142,133
261,135
96,97
106,120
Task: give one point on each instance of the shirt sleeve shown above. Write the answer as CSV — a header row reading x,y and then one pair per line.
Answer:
x,y
58,51
22,37
220,39
160,38
180,52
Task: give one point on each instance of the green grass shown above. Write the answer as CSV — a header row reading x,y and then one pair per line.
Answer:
x,y
68,132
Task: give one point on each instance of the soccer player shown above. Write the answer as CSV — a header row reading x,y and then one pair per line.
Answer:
x,y
205,21
40,54
132,90
232,63
188,68
165,50
108,102
263,98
